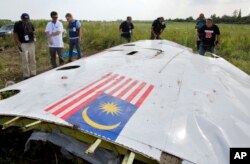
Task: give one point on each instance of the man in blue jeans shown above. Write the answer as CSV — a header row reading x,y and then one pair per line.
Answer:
x,y
201,21
209,36
74,27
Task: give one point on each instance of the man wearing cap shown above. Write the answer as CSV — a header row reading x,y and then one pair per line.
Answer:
x,y
54,30
74,27
158,27
209,36
25,40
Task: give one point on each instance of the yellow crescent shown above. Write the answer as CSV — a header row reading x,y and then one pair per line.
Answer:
x,y
96,125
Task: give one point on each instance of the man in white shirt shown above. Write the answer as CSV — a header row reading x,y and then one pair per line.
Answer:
x,y
54,30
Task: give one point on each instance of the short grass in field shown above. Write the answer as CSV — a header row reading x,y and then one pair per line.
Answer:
x,y
235,44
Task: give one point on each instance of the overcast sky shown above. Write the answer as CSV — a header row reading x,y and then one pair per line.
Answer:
x,y
119,9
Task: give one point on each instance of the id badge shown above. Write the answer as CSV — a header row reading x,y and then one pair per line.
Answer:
x,y
74,29
26,38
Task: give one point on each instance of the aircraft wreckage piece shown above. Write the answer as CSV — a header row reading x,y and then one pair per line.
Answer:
x,y
152,101
10,122
93,147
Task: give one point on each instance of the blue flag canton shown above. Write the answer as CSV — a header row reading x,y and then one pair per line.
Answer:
x,y
105,116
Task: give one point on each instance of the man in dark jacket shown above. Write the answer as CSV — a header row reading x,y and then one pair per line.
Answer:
x,y
25,40
209,37
126,29
158,27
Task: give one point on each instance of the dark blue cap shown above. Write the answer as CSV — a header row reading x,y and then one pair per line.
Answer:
x,y
25,16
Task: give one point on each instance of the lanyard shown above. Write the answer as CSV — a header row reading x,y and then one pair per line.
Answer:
x,y
53,26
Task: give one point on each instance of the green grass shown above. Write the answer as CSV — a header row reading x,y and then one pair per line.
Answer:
x,y
235,44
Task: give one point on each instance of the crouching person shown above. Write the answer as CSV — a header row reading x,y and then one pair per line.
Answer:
x,y
209,36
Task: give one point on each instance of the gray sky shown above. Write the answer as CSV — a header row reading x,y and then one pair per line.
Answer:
x,y
119,9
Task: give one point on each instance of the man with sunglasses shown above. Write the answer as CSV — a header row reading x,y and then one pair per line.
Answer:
x,y
25,40
54,30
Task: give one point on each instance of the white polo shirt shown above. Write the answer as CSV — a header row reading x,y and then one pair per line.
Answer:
x,y
57,41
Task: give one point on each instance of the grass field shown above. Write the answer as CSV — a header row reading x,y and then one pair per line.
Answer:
x,y
235,44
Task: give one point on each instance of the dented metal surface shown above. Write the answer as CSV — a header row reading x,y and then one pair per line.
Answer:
x,y
163,99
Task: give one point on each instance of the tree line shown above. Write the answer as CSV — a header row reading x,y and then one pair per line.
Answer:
x,y
235,18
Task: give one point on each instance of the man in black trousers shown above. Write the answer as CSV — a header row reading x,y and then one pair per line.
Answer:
x,y
126,29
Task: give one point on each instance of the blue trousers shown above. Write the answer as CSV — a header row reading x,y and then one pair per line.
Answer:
x,y
74,43
203,48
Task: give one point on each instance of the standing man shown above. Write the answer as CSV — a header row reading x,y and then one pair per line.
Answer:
x,y
54,30
25,40
158,27
126,29
74,27
201,21
209,37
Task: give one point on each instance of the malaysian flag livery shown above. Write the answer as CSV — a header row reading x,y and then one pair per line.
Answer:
x,y
104,106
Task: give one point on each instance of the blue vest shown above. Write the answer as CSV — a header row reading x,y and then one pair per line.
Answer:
x,y
73,30
200,23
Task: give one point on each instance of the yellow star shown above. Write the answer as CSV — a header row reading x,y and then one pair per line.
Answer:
x,y
110,108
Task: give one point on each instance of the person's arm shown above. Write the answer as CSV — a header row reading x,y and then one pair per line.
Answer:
x,y
217,40
162,29
80,34
48,35
199,34
78,25
217,36
132,28
153,32
16,38
196,25
49,39
59,31
161,32
18,43
56,33
34,35
120,29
